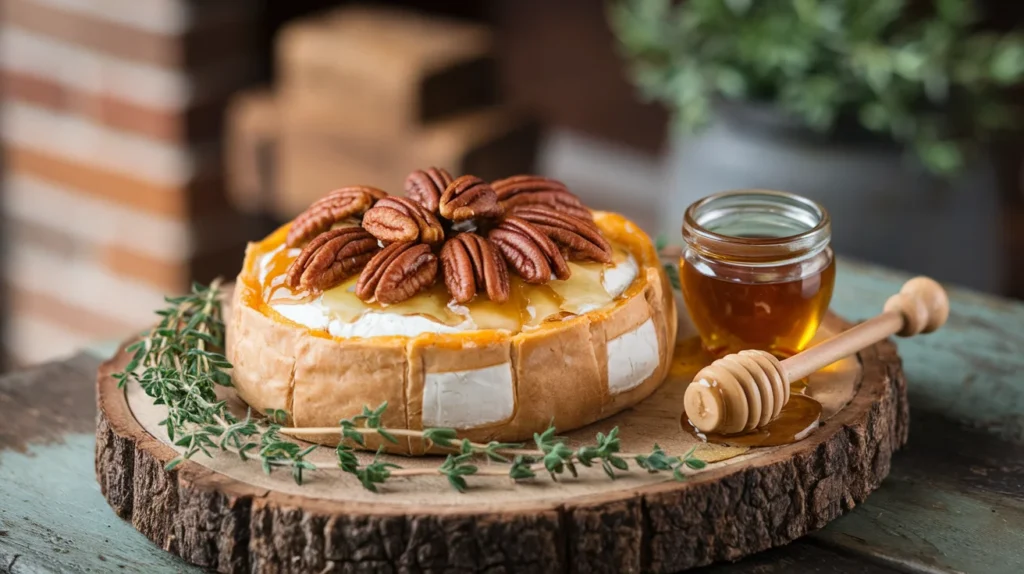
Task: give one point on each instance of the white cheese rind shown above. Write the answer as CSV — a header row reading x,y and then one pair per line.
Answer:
x,y
373,324
311,315
632,357
468,399
315,315
617,279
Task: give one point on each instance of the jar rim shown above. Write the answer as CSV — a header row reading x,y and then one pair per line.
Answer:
x,y
780,204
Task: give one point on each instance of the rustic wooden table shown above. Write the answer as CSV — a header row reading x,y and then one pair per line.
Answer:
x,y
954,501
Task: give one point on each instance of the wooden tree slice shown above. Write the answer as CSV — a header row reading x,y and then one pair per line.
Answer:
x,y
765,498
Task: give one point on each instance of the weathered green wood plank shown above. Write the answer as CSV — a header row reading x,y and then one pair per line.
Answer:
x,y
799,557
52,515
921,524
54,518
37,406
965,459
971,370
954,500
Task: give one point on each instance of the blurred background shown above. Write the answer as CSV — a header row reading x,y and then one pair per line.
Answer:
x,y
144,142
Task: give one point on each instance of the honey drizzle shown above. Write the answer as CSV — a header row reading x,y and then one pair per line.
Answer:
x,y
274,288
529,306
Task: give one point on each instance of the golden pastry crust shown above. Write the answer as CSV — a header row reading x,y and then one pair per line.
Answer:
x,y
559,372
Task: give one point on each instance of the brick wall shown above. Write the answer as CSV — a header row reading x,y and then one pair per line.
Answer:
x,y
113,185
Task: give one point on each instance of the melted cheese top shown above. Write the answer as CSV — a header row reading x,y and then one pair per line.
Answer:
x,y
339,313
342,314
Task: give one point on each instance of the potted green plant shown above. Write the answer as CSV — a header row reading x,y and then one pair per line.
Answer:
x,y
880,109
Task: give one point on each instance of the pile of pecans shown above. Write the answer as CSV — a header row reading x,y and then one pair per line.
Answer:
x,y
477,230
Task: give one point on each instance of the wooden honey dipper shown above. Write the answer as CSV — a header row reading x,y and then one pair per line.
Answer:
x,y
746,390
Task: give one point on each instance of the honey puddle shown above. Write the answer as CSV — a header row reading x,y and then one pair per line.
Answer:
x,y
529,306
798,419
795,422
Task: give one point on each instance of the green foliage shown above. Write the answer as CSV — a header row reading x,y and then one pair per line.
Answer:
x,y
277,415
370,419
672,271
658,461
671,268
604,451
377,472
275,451
521,468
557,456
926,77
178,365
455,468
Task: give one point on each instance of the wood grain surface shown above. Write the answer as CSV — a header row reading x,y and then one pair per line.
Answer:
x,y
952,501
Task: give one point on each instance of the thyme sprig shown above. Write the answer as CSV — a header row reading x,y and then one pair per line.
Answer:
x,y
179,364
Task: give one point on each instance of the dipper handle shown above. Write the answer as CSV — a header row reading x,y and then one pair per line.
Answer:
x,y
746,390
921,306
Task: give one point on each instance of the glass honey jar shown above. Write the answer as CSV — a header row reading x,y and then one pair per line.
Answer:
x,y
757,271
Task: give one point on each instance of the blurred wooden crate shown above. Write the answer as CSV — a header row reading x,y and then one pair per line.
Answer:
x,y
376,73
490,143
364,97
250,137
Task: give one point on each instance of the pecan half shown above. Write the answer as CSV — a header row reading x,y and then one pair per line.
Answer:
x,y
468,197
402,219
330,209
537,190
471,264
425,186
330,258
529,251
398,272
581,239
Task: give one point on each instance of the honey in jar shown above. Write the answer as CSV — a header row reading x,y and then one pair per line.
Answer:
x,y
757,271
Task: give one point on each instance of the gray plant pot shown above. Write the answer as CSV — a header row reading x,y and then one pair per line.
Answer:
x,y
884,209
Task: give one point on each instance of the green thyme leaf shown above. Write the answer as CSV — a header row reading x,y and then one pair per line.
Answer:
x,y
440,436
386,435
695,464
673,276
347,460
520,469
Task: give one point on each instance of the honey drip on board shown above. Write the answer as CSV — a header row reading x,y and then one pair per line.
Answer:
x,y
797,421
798,418
529,306
780,318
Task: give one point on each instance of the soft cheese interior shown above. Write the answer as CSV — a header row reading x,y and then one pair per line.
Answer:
x,y
339,312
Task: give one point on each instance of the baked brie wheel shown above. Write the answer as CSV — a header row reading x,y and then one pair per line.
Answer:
x,y
457,314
